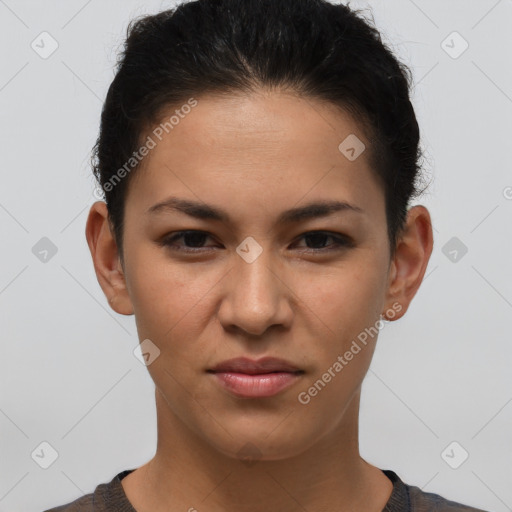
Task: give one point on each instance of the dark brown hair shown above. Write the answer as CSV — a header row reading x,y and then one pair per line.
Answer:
x,y
312,47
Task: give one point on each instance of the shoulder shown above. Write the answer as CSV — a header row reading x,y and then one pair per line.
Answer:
x,y
82,504
107,497
427,501
409,498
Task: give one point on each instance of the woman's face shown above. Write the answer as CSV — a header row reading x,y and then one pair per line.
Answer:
x,y
258,283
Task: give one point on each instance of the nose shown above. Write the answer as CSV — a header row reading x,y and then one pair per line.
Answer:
x,y
256,296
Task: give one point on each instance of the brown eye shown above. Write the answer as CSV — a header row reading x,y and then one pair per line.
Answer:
x,y
192,240
319,241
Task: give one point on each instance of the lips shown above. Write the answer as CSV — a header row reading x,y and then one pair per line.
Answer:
x,y
246,378
252,367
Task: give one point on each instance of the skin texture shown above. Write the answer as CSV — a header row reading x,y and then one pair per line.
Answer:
x,y
255,156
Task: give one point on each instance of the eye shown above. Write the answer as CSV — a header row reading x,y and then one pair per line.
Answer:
x,y
319,238
193,241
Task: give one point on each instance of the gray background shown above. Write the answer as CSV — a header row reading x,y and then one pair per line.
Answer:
x,y
68,373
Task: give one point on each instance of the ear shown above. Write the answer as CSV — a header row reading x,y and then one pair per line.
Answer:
x,y
105,256
409,263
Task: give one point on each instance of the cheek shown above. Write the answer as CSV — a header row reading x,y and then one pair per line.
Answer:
x,y
344,307
169,298
345,299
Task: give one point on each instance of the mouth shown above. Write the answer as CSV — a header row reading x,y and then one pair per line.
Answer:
x,y
247,378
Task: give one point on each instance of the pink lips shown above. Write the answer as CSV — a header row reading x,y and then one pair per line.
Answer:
x,y
247,378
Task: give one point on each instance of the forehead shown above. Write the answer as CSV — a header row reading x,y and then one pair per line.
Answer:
x,y
259,150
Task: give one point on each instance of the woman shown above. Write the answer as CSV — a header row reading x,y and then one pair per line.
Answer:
x,y
258,160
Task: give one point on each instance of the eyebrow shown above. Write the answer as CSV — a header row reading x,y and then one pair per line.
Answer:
x,y
200,210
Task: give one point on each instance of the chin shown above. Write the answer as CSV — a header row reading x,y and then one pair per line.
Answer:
x,y
263,444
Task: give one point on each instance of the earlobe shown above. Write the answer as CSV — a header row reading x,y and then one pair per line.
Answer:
x,y
105,258
410,260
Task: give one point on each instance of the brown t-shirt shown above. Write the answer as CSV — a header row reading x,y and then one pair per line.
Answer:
x,y
110,497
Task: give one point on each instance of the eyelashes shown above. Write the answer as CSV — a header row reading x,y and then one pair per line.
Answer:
x,y
196,238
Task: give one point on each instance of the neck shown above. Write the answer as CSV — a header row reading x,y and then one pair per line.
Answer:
x,y
187,473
